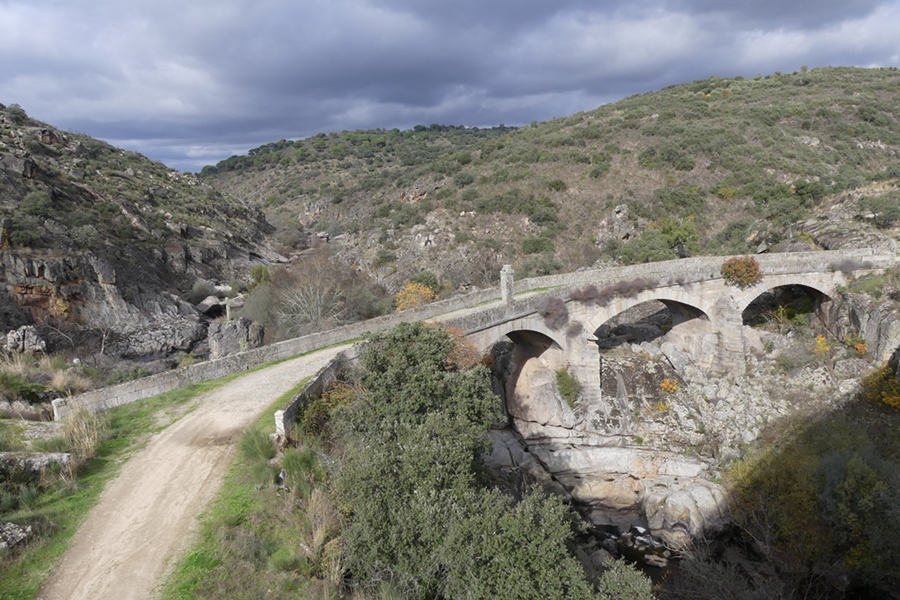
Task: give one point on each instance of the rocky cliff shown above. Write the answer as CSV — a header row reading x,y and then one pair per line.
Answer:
x,y
98,240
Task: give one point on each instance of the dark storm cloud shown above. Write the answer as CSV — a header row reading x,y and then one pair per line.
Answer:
x,y
773,14
192,83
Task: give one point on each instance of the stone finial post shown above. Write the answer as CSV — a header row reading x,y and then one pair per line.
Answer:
x,y
507,291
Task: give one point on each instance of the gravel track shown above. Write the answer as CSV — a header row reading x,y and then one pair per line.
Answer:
x,y
148,513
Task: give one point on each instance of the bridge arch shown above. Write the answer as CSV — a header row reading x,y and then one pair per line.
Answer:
x,y
783,290
682,305
518,354
531,332
792,299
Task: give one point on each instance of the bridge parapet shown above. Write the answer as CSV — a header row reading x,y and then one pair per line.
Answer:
x,y
693,282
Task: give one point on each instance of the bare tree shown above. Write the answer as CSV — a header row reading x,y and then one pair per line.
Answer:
x,y
312,296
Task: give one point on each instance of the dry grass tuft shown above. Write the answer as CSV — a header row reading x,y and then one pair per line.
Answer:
x,y
324,519
84,431
70,382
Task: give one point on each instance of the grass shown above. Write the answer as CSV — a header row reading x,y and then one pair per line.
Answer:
x,y
249,544
56,514
569,387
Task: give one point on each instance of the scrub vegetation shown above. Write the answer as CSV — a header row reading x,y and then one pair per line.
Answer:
x,y
386,496
716,166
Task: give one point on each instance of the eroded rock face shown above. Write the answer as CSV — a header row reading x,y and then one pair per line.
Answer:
x,y
621,486
83,291
231,337
590,454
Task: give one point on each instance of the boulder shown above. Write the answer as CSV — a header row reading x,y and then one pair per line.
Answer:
x,y
25,340
210,306
29,465
231,337
159,339
677,517
12,535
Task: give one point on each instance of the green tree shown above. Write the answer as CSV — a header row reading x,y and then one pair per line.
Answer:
x,y
411,481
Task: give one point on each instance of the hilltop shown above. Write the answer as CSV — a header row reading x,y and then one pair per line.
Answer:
x,y
716,166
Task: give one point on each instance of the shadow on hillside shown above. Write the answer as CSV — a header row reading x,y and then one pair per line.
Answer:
x,y
816,511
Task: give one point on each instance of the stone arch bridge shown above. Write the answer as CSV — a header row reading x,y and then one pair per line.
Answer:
x,y
707,312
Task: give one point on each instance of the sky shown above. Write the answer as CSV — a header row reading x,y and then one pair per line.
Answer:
x,y
192,82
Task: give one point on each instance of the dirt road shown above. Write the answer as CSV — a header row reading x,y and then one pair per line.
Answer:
x,y
147,513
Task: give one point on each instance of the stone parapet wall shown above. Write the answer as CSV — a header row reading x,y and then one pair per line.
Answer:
x,y
286,417
146,387
703,268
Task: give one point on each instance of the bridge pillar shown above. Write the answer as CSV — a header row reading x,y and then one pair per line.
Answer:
x,y
583,357
728,322
507,289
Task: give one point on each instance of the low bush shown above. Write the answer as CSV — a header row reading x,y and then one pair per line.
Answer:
x,y
537,245
885,210
554,311
741,271
414,295
882,386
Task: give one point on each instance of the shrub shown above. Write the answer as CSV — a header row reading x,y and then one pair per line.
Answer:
x,y
537,245
37,204
623,581
588,293
384,257
650,246
413,295
885,209
882,385
259,274
316,415
669,386
822,346
741,271
428,279
557,185
554,311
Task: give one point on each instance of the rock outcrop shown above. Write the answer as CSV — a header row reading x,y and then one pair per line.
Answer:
x,y
95,239
25,340
231,337
13,536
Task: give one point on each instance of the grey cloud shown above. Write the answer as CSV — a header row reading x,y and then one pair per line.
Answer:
x,y
178,80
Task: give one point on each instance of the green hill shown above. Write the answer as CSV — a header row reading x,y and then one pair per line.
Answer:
x,y
713,166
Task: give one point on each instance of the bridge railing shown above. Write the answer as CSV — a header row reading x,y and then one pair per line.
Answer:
x,y
704,268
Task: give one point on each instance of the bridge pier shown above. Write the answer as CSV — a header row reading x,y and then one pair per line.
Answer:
x,y
728,322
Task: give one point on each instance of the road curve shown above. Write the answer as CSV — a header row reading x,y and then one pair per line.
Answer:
x,y
145,515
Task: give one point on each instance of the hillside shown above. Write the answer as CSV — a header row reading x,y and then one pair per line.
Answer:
x,y
98,242
714,166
